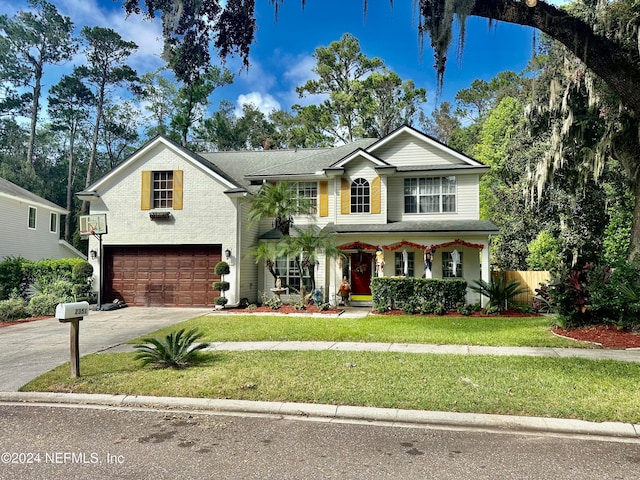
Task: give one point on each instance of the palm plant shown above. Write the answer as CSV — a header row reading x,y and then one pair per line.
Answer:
x,y
499,293
176,350
305,247
280,201
266,252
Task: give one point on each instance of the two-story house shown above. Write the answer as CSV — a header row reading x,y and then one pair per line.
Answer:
x,y
172,214
31,226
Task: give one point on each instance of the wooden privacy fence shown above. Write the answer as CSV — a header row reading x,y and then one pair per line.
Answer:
x,y
528,279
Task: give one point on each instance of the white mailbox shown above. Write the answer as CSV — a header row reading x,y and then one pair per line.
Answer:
x,y
67,311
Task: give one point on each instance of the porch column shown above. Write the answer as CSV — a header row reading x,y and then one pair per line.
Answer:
x,y
486,270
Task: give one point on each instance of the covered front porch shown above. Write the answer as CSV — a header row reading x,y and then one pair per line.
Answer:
x,y
396,256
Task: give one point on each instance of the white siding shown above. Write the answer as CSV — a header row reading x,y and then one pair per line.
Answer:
x,y
406,150
17,240
248,271
467,200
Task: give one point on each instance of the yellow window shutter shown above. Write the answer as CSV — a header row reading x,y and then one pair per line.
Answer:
x,y
177,189
145,191
324,199
375,195
345,196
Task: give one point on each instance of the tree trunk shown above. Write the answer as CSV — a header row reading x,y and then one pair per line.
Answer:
x,y
634,251
67,220
35,105
94,148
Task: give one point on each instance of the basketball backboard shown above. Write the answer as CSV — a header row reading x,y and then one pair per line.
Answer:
x,y
95,224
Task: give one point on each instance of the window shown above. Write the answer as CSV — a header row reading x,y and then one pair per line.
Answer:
x,y
287,269
447,265
308,191
430,195
399,264
162,189
32,218
360,196
53,222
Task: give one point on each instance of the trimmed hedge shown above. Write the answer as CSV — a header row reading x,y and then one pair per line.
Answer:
x,y
417,295
17,273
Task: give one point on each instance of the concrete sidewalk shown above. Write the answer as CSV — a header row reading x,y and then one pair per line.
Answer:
x,y
630,355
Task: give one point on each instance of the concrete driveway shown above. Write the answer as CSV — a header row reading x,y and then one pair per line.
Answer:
x,y
31,349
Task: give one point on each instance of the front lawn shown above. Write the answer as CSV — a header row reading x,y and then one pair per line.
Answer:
x,y
545,387
497,331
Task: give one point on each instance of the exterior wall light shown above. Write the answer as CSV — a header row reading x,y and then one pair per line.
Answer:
x,y
227,253
93,254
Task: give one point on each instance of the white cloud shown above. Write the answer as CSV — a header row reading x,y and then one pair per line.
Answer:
x,y
256,77
146,34
263,101
300,69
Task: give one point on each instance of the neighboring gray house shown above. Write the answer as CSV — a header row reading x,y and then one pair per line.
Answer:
x,y
172,214
30,226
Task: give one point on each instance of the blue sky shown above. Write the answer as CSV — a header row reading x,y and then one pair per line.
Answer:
x,y
281,57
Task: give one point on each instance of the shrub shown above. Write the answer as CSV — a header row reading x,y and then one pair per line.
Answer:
x,y
221,301
598,294
221,285
44,304
544,252
11,276
14,308
82,272
222,268
499,292
176,350
389,293
274,303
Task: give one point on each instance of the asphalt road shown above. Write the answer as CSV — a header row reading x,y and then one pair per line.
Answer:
x,y
42,442
31,349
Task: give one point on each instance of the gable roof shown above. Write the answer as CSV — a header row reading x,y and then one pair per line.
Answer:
x,y
230,183
405,129
13,191
305,162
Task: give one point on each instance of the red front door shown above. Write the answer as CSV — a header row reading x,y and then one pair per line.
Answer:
x,y
361,273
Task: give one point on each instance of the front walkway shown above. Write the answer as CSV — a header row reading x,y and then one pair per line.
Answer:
x,y
631,355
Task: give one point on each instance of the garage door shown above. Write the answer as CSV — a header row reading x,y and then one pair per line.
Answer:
x,y
171,276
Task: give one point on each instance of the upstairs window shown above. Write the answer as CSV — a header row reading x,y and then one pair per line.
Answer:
x,y
430,195
53,222
162,189
360,196
309,192
32,218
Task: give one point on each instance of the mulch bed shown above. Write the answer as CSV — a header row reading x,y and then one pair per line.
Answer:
x,y
453,313
609,336
25,320
284,309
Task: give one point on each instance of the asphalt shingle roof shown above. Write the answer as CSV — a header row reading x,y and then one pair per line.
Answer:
x,y
13,190
426,226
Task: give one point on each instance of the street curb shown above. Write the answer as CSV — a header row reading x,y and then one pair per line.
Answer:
x,y
479,421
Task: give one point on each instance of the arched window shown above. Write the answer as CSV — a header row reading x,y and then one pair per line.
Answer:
x,y
360,196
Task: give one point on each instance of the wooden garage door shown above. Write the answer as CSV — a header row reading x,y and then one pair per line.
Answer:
x,y
171,276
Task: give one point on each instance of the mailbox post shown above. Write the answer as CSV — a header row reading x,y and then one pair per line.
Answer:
x,y
72,313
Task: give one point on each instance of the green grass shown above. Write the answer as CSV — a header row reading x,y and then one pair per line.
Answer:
x,y
521,331
546,387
